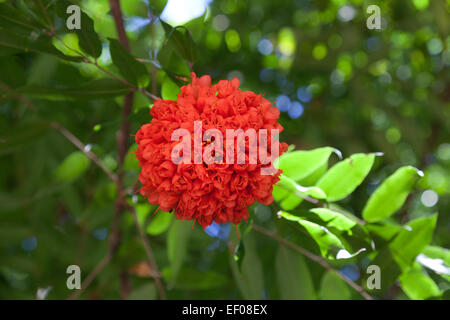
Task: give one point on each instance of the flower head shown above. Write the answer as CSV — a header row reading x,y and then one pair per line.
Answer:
x,y
208,191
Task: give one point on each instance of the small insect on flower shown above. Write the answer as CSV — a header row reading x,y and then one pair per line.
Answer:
x,y
211,184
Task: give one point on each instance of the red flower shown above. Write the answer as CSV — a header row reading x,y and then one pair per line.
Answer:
x,y
219,191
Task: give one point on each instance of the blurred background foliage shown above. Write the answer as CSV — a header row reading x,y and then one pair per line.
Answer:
x,y
336,82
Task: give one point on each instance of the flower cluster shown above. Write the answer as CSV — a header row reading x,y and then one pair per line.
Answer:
x,y
216,192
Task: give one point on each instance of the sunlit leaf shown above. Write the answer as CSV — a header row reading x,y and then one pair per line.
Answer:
x,y
328,243
412,240
335,219
391,194
418,285
345,176
300,164
159,223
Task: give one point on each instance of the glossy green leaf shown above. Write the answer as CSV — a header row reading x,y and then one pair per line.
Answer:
x,y
159,223
412,240
391,194
418,285
290,194
345,176
72,167
385,229
435,252
293,276
332,287
335,219
132,70
300,164
169,89
329,244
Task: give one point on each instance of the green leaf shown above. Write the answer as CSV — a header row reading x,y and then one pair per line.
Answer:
x,y
328,243
252,269
333,287
343,178
335,219
293,276
72,167
418,285
88,39
385,229
391,194
169,89
177,244
412,240
435,252
93,90
290,194
160,223
172,63
194,279
132,70
300,164
181,41
38,43
10,16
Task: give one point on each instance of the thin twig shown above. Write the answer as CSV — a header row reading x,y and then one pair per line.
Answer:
x,y
312,257
150,257
76,142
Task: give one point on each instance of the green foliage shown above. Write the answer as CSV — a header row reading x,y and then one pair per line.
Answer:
x,y
360,90
177,245
132,70
418,285
293,276
333,288
412,240
343,178
160,223
72,167
95,89
391,195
